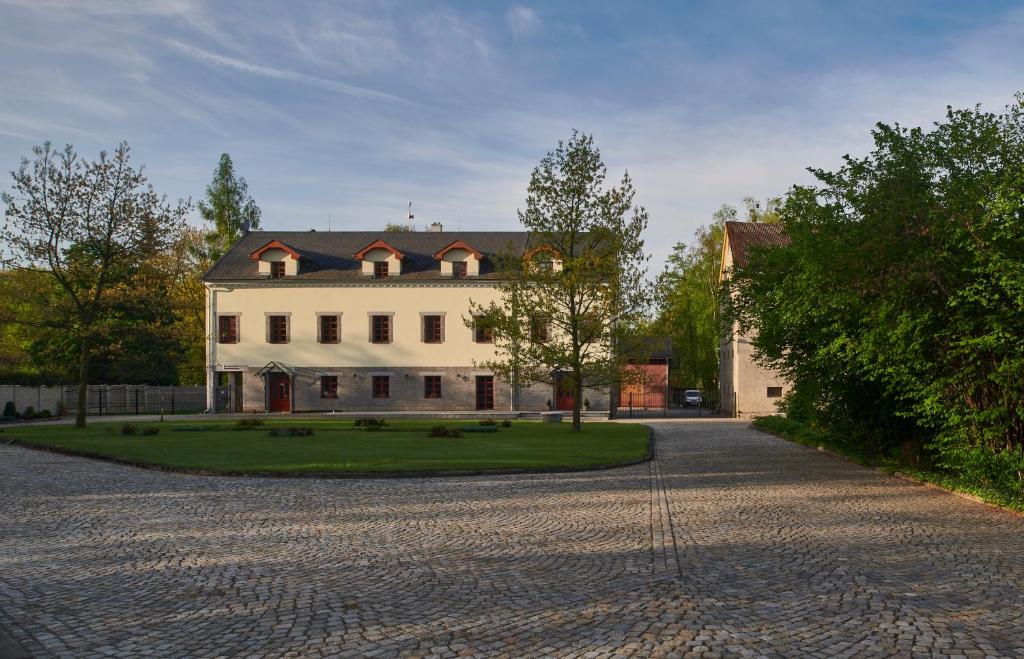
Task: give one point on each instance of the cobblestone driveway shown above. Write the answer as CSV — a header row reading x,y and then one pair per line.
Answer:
x,y
732,542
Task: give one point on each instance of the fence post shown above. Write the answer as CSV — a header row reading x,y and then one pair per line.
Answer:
x,y
100,390
631,405
172,401
136,400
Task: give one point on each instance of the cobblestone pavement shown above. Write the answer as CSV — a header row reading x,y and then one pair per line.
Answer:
x,y
732,542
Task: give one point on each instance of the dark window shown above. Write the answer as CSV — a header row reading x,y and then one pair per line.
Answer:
x,y
380,329
485,392
431,386
432,329
277,269
328,386
482,333
458,269
380,269
381,386
774,392
227,327
329,329
538,330
277,329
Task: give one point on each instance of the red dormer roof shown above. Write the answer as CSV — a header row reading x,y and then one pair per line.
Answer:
x,y
378,244
458,244
274,244
542,249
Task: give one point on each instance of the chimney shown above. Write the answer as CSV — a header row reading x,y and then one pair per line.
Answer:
x,y
436,227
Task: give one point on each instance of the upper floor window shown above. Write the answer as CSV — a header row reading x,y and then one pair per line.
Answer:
x,y
277,269
328,386
277,329
380,270
227,329
458,269
380,328
482,332
433,328
538,330
330,328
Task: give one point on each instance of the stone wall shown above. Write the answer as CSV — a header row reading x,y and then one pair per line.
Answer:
x,y
355,391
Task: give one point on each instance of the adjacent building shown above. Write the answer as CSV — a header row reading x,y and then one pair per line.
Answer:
x,y
747,388
363,321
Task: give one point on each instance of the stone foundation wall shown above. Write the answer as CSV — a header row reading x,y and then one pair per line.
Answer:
x,y
355,391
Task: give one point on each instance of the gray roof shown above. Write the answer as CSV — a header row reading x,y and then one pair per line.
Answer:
x,y
329,255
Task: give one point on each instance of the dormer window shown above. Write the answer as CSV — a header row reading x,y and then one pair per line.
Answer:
x,y
276,260
544,258
459,260
380,260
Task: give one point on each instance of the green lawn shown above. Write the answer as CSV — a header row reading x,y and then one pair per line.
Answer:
x,y
340,446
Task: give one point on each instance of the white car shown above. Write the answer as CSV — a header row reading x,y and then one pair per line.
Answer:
x,y
692,398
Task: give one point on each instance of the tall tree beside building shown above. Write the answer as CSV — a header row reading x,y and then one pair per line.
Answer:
x,y
562,306
228,207
689,295
91,227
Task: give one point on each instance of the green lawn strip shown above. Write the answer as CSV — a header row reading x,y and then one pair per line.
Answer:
x,y
338,446
802,434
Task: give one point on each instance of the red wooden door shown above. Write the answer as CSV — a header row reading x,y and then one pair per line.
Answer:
x,y
564,398
280,386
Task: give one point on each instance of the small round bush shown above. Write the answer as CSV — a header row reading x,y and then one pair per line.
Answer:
x,y
129,429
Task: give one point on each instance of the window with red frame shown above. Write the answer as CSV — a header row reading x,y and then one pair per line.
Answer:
x,y
380,270
328,386
277,332
227,329
433,331
380,329
277,269
431,386
329,326
381,386
458,269
482,333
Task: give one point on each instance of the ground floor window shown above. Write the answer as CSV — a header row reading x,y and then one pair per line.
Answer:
x,y
381,386
774,392
485,392
431,386
328,386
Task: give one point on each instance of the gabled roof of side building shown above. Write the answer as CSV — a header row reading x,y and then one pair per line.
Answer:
x,y
330,255
741,236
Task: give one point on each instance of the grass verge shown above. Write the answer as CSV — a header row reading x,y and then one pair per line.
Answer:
x,y
342,448
800,433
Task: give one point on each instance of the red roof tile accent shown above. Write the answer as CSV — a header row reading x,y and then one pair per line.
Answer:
x,y
378,244
274,244
458,244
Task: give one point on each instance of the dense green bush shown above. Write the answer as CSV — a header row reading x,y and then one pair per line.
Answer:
x,y
897,309
128,429
445,431
10,411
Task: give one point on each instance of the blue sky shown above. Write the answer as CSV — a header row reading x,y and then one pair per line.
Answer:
x,y
353,109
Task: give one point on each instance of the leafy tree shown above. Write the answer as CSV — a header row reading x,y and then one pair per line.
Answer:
x,y
392,227
898,310
689,295
227,207
595,235
90,226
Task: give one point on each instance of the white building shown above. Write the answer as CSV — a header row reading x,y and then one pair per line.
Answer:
x,y
361,321
747,388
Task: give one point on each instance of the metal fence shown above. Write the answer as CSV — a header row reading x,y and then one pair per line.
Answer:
x,y
633,405
137,399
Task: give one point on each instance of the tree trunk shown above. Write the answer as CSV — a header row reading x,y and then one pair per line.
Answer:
x,y
577,402
83,381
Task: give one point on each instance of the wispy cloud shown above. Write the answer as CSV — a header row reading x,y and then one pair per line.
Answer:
x,y
522,21
282,74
